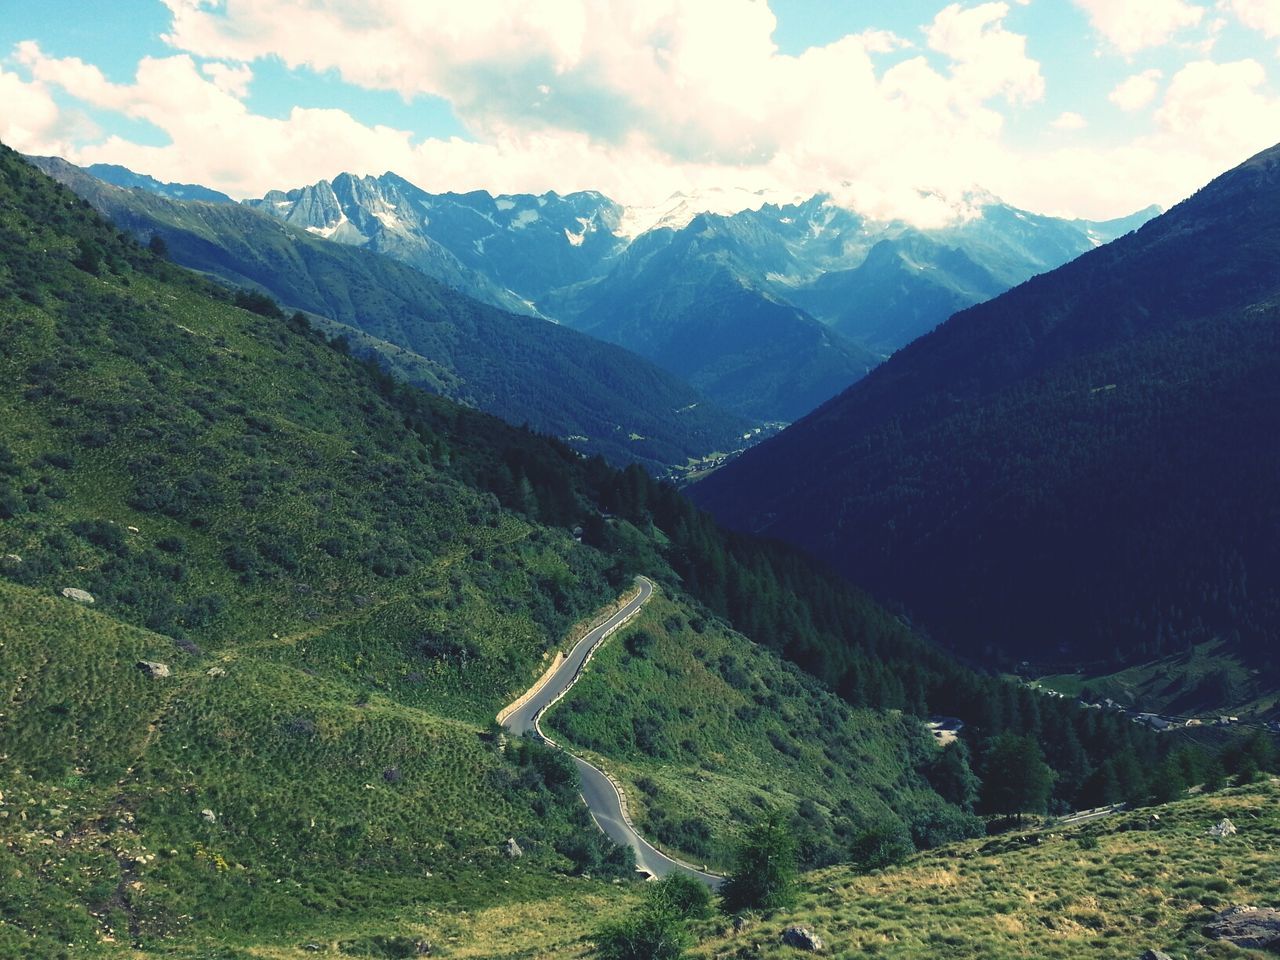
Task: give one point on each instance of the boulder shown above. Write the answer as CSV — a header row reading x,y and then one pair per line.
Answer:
x,y
153,669
1155,955
1224,829
12,558
742,923
78,595
215,672
208,816
802,938
512,849
1250,928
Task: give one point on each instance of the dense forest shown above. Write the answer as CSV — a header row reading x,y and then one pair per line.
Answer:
x,y
1080,471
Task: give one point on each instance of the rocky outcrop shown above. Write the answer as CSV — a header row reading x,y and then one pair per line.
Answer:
x,y
1224,829
802,938
78,595
512,849
1155,955
156,671
1250,928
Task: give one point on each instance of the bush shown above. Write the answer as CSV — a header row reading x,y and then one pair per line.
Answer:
x,y
882,844
653,932
688,897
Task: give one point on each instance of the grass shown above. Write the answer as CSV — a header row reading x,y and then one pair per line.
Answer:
x,y
1142,886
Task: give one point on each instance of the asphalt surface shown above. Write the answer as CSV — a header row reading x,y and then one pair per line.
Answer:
x,y
599,793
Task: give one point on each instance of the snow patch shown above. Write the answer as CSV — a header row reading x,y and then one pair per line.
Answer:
x,y
575,239
524,218
679,209
504,203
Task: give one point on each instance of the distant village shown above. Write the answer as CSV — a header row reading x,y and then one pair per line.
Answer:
x,y
1158,721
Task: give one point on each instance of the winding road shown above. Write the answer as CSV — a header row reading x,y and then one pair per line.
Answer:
x,y
601,793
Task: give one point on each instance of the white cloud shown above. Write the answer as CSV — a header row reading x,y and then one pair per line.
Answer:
x,y
233,80
1137,91
1133,25
1262,15
1069,121
989,60
1212,118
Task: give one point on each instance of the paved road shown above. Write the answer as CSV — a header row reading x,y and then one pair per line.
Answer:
x,y
598,791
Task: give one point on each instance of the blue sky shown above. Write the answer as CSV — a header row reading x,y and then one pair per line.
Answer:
x,y
1081,107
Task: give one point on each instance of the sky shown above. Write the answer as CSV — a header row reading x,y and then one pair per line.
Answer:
x,y
905,109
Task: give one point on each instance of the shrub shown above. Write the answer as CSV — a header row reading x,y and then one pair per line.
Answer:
x,y
884,843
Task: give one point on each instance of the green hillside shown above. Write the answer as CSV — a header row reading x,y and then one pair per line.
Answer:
x,y
708,730
522,369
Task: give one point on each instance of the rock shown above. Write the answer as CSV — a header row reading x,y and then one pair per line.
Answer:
x,y
1155,955
802,938
1251,928
215,672
153,669
208,816
512,849
1225,829
78,595
12,558
741,923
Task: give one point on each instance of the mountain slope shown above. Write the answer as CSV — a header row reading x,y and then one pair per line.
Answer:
x,y
673,299
344,579
1046,474
522,369
124,177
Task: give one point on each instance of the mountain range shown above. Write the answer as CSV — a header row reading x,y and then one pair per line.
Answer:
x,y
1083,468
767,311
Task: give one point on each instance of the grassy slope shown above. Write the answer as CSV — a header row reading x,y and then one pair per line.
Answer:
x,y
1059,900
707,729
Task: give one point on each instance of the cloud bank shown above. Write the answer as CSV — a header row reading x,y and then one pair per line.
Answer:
x,y
640,99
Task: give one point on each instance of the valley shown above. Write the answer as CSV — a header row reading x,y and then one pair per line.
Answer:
x,y
682,481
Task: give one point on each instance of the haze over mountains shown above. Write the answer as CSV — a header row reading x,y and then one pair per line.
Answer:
x,y
1084,468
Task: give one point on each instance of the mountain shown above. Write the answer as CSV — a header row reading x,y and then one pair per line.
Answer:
x,y
526,370
507,251
1081,469
124,177
725,300
674,299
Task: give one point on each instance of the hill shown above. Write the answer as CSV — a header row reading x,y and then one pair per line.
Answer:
x,y
1043,476
603,399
